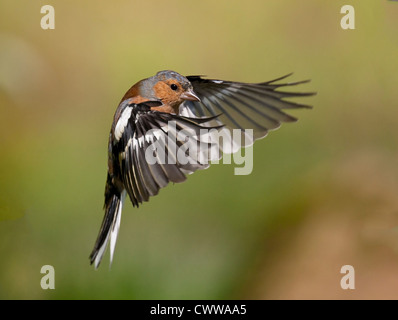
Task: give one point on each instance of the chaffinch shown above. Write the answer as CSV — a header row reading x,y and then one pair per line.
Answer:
x,y
144,116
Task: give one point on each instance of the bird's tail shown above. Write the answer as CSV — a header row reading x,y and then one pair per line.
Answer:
x,y
109,227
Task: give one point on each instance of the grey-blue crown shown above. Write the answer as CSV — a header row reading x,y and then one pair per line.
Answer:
x,y
168,74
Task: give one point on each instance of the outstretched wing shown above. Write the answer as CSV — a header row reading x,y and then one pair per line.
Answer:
x,y
257,106
155,148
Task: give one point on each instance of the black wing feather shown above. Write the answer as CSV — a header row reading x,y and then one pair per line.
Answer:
x,y
144,129
257,106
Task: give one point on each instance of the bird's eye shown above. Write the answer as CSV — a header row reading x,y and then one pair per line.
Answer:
x,y
174,87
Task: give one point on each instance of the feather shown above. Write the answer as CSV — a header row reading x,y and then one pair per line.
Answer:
x,y
257,106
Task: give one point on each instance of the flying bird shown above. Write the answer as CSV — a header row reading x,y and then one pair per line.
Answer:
x,y
159,115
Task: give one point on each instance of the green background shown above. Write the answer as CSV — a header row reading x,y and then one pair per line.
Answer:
x,y
323,192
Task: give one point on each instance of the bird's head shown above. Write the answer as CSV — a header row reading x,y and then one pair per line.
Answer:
x,y
172,88
168,87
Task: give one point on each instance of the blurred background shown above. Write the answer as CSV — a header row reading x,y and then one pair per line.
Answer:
x,y
323,192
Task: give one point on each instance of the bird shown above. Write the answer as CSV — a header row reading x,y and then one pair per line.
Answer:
x,y
169,104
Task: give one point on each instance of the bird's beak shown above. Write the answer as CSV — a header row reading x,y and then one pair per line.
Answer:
x,y
190,95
